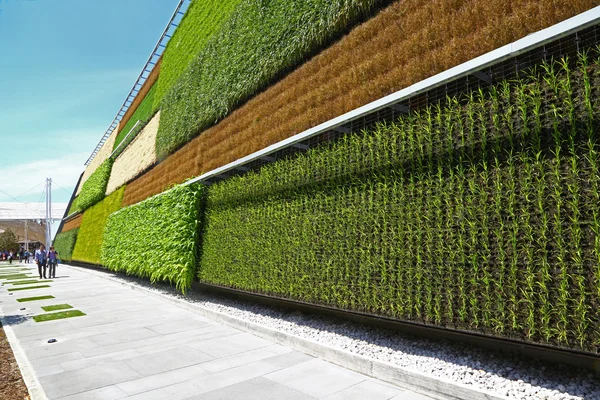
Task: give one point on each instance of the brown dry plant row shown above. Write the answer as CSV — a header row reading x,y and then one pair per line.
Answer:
x,y
150,80
406,42
73,223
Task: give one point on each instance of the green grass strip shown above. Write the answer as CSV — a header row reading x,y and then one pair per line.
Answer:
x,y
29,282
57,307
58,315
13,277
28,287
21,300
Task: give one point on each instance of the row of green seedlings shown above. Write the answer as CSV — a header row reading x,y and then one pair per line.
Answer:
x,y
477,214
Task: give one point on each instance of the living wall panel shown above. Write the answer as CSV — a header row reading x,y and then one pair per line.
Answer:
x,y
406,42
157,238
136,157
94,188
143,96
64,243
142,113
102,155
73,223
89,239
201,21
481,214
253,48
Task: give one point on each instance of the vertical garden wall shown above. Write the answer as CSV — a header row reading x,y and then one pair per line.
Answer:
x,y
157,238
91,232
479,214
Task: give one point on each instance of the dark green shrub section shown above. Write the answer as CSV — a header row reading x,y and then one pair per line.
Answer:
x,y
156,238
261,41
479,214
89,238
94,189
143,113
201,21
64,243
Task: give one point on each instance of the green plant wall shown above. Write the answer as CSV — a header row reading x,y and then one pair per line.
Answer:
x,y
259,42
157,238
94,189
89,239
64,243
202,19
479,214
143,113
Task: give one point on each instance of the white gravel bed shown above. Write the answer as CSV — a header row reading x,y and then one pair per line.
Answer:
x,y
505,375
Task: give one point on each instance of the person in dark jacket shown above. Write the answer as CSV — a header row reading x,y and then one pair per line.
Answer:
x,y
52,261
41,258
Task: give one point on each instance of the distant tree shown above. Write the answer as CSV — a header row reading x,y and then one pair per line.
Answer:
x,y
8,241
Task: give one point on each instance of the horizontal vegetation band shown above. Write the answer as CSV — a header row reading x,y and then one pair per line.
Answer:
x,y
201,21
406,42
480,214
257,44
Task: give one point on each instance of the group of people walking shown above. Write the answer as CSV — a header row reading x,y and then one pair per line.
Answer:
x,y
46,260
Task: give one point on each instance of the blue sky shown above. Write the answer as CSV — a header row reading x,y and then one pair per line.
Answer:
x,y
66,67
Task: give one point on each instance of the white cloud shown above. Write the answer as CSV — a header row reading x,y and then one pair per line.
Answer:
x,y
19,178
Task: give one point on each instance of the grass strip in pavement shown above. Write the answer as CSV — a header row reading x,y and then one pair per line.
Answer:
x,y
13,277
23,299
29,287
57,307
29,282
58,315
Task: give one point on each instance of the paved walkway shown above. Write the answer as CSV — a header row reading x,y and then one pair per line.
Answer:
x,y
136,346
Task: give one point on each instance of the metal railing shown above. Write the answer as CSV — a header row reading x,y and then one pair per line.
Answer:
x,y
157,52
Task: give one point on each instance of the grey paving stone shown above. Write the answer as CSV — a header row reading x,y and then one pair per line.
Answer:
x,y
223,347
49,370
177,326
255,389
183,390
155,363
162,380
237,360
105,393
370,389
317,378
408,395
41,362
233,375
101,359
82,380
122,336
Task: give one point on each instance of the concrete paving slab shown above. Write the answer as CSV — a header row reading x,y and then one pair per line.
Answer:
x,y
369,389
82,380
105,393
179,391
255,389
155,363
164,379
231,345
317,378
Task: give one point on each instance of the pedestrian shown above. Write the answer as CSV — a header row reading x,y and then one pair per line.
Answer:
x,y
10,257
21,254
52,261
41,257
